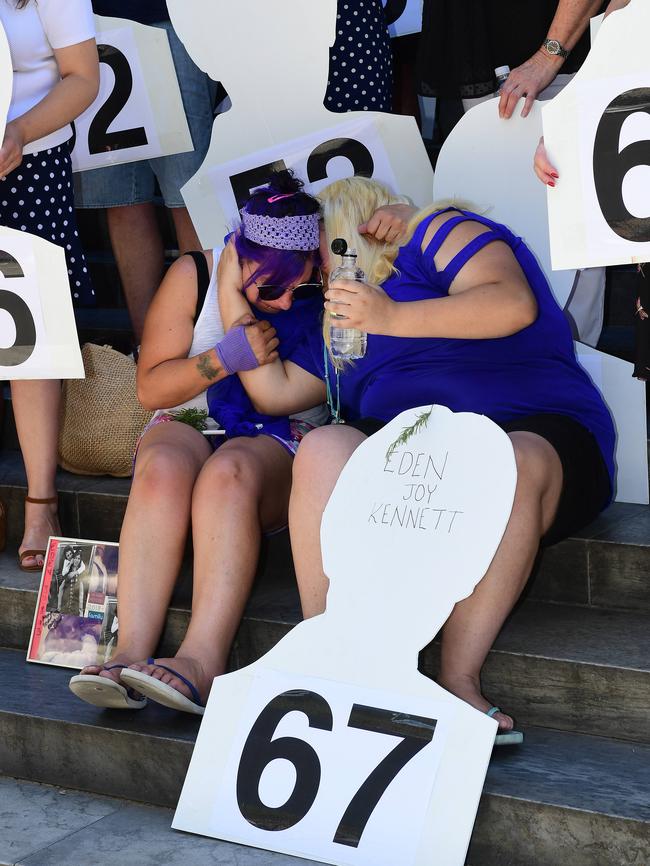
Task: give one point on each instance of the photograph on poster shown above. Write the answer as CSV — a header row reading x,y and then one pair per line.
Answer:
x,y
75,623
373,752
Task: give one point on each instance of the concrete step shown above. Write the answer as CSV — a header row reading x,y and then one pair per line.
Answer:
x,y
606,565
560,798
556,666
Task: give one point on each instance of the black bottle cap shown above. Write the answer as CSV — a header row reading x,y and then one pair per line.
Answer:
x,y
339,247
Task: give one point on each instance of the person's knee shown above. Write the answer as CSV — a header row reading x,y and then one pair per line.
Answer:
x,y
229,474
162,468
538,465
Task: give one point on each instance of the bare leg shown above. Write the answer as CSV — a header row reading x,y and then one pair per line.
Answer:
x,y
241,491
140,256
322,455
153,537
185,232
475,622
36,410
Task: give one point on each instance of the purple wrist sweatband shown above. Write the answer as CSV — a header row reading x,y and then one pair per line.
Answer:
x,y
235,352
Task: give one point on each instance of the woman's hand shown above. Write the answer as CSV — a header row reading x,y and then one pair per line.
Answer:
x,y
261,338
388,224
229,272
11,153
360,305
543,168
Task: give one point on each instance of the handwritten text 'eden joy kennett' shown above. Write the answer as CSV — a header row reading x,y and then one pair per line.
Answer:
x,y
415,510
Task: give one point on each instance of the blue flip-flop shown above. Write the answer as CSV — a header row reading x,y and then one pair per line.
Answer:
x,y
105,692
505,738
163,693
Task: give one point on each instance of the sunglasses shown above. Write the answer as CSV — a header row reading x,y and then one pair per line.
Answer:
x,y
299,292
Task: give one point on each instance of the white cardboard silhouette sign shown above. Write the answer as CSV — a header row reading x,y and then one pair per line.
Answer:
x,y
138,113
403,16
333,746
38,337
276,75
597,133
510,193
319,159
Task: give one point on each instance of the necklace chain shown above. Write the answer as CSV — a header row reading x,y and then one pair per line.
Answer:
x,y
335,410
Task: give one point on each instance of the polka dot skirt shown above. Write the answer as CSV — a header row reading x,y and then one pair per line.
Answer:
x,y
361,74
37,197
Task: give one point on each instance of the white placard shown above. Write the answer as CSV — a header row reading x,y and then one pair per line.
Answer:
x,y
594,26
38,338
597,134
138,113
278,98
320,158
482,138
292,754
403,16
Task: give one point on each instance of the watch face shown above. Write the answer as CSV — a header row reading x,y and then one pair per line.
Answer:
x,y
553,46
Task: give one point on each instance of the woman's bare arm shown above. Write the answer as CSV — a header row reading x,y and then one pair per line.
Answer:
x,y
79,68
489,298
166,376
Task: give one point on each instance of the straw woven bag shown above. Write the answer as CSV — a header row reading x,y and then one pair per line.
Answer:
x,y
101,417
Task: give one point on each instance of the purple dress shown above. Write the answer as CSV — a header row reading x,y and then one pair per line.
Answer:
x,y
530,372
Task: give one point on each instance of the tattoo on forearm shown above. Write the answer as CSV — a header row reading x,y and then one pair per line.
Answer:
x,y
206,367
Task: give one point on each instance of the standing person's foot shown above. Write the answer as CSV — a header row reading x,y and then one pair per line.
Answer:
x,y
100,686
41,521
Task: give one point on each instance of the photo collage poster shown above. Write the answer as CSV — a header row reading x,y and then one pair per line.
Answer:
x,y
75,623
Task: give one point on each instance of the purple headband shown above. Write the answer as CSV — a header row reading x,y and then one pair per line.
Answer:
x,y
282,233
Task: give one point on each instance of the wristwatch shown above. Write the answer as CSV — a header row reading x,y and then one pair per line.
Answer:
x,y
553,47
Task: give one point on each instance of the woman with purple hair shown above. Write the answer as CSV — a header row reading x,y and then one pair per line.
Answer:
x,y
233,493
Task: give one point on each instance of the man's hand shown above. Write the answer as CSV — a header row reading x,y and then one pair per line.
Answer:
x,y
11,153
388,224
261,338
528,80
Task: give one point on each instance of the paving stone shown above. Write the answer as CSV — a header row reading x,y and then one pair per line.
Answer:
x,y
33,817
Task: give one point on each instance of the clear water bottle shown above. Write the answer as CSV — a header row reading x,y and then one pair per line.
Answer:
x,y
346,343
501,73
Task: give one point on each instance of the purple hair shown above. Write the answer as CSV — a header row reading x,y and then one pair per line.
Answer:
x,y
278,267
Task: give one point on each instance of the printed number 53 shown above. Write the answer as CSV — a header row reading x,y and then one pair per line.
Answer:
x,y
260,749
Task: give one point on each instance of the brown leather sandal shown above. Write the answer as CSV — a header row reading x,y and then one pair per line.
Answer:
x,y
32,554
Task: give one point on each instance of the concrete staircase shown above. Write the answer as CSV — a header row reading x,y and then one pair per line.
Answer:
x,y
573,664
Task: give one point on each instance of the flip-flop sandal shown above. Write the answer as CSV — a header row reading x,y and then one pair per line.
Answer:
x,y
163,693
105,692
505,738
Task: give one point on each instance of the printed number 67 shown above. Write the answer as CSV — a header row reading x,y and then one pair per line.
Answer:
x,y
260,749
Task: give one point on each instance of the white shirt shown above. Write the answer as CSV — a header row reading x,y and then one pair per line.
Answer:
x,y
33,33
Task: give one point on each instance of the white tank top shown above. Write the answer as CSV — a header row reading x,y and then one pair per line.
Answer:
x,y
208,330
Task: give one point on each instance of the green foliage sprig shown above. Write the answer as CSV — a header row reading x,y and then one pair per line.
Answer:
x,y
196,418
421,421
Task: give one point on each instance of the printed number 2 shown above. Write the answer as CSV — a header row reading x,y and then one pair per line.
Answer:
x,y
259,750
100,140
611,165
25,342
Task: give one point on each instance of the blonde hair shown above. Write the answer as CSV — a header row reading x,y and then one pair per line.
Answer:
x,y
347,204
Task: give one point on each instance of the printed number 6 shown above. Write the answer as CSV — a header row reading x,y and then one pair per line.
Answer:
x,y
259,750
612,164
25,342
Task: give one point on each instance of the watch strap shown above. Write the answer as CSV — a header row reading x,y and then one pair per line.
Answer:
x,y
554,48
